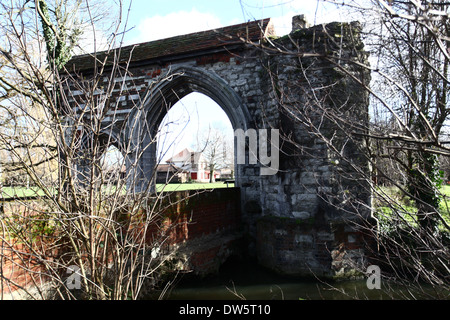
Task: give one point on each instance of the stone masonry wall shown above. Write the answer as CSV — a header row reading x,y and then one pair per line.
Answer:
x,y
318,205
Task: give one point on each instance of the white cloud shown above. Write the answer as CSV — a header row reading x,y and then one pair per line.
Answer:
x,y
172,24
91,40
316,12
283,24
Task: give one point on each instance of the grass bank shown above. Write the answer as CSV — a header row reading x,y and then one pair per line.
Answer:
x,y
20,192
191,186
391,201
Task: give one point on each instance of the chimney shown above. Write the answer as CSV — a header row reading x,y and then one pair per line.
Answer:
x,y
299,22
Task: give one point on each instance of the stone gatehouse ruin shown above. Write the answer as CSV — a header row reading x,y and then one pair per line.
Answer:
x,y
303,219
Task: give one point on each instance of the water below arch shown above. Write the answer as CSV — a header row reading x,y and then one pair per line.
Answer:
x,y
239,279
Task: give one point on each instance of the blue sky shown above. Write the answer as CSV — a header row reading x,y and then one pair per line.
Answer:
x,y
157,19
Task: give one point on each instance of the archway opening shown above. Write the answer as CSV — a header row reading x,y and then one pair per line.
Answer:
x,y
143,123
113,167
195,142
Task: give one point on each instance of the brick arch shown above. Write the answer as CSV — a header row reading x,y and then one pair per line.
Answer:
x,y
143,123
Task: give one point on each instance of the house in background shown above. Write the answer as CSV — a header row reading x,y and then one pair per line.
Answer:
x,y
193,162
226,174
168,173
114,174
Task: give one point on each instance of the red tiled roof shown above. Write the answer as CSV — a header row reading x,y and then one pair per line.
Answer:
x,y
184,44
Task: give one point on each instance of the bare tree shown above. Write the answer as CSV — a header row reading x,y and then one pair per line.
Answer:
x,y
217,148
84,233
397,142
413,58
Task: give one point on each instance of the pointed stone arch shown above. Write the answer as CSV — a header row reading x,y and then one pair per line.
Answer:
x,y
143,123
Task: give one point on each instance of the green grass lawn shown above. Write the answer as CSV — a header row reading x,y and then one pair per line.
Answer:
x,y
11,192
406,208
191,186
445,203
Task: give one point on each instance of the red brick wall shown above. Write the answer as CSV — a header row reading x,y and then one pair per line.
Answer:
x,y
203,213
192,215
20,267
211,216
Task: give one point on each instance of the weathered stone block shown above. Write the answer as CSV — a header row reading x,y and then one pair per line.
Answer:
x,y
308,178
301,214
303,238
307,197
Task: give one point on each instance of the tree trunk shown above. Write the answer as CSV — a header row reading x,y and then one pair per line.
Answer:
x,y
423,180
